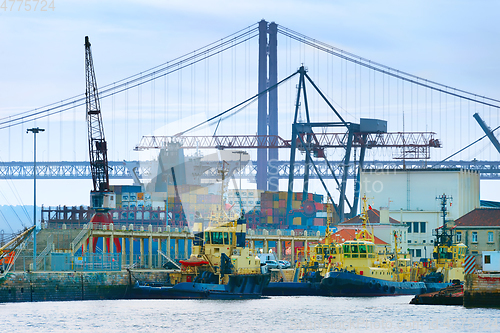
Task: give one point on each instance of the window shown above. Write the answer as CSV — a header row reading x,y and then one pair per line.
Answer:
x,y
459,236
409,227
217,238
422,227
474,237
409,241
490,236
418,253
415,227
412,252
423,241
487,259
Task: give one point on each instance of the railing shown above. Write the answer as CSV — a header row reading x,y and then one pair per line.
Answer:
x,y
96,262
285,232
79,237
25,263
47,250
141,228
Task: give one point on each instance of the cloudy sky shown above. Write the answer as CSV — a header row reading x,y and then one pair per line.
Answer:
x,y
41,52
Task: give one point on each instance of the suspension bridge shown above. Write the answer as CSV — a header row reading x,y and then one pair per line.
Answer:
x,y
241,92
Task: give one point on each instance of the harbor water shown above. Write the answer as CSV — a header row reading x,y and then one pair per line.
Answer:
x,y
273,314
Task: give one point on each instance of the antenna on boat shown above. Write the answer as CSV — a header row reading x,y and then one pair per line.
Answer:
x,y
328,221
364,233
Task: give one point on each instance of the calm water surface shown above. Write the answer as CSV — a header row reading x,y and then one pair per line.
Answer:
x,y
273,314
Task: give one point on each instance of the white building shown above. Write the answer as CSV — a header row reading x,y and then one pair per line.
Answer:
x,y
411,196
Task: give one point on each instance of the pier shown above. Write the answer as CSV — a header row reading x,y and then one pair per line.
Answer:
x,y
92,231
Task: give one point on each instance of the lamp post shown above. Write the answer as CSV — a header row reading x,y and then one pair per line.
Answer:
x,y
35,131
240,152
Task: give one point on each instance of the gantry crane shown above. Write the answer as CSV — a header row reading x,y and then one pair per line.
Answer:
x,y
101,198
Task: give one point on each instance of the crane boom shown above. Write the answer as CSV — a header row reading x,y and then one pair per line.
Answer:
x,y
98,151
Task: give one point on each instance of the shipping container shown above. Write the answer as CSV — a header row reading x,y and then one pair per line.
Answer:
x,y
297,220
265,204
318,221
266,196
131,188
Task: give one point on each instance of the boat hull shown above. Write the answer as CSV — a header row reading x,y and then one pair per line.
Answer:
x,y
350,284
294,289
239,287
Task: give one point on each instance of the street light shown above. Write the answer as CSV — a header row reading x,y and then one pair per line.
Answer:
x,y
35,131
240,152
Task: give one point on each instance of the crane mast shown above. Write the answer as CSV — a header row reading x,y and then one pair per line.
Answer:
x,y
101,197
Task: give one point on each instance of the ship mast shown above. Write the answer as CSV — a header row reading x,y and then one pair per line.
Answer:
x,y
364,233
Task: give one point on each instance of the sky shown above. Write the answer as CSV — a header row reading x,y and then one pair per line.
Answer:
x,y
41,55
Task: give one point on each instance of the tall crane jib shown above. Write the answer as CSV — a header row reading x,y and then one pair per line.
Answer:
x,y
100,196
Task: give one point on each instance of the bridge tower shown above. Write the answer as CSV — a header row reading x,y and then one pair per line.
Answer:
x,y
267,117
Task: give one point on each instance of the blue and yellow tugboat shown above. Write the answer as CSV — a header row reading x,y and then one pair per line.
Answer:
x,y
365,272
221,267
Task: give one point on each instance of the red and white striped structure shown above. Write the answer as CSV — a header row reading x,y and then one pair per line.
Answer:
x,y
470,265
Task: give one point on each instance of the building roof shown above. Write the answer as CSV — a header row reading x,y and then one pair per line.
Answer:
x,y
480,217
350,234
373,216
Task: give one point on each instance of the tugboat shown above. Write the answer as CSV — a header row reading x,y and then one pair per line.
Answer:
x,y
364,272
221,267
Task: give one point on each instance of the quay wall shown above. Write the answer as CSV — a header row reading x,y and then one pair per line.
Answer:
x,y
482,290
72,286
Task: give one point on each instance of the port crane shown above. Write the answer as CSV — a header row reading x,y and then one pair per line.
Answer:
x,y
101,198
369,133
